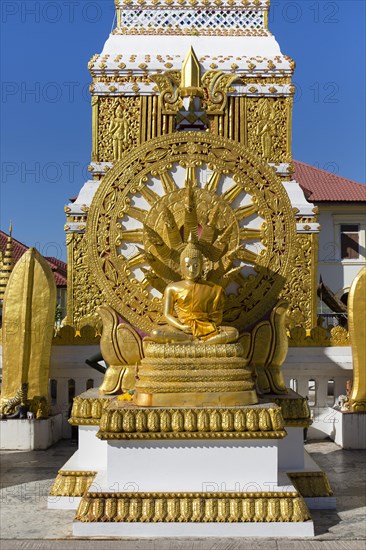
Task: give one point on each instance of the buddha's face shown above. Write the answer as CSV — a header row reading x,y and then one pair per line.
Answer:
x,y
191,268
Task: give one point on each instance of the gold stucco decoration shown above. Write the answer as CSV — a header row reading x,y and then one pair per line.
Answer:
x,y
218,174
213,87
121,420
192,507
300,288
118,126
83,295
169,88
88,408
268,127
311,484
71,483
318,336
68,336
295,410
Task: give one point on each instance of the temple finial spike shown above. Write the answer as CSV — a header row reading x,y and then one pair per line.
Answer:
x,y
191,72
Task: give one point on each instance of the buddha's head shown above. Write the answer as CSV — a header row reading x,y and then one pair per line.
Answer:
x,y
119,111
191,262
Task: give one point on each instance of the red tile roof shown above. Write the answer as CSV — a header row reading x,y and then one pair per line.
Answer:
x,y
59,268
322,186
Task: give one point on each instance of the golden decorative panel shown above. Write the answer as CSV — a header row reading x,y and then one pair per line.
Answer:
x,y
232,123
268,127
192,507
153,122
300,288
83,296
118,126
216,175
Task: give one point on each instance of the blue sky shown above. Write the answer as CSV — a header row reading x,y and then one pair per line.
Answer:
x,y
45,106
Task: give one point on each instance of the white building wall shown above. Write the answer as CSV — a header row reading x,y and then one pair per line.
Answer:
x,y
68,363
336,273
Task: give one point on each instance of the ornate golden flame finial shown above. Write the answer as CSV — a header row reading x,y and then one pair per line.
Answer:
x,y
191,76
207,94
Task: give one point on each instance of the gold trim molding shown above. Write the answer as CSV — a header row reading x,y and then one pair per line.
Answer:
x,y
122,420
87,410
318,337
295,411
70,336
311,484
192,507
71,483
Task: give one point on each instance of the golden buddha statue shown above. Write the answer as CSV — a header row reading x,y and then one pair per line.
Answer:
x,y
193,360
192,307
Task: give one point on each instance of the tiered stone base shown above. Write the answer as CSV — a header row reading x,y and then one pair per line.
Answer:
x,y
190,471
194,375
208,514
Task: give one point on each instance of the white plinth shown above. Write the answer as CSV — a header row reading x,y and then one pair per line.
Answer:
x,y
179,466
230,530
346,429
291,450
92,452
29,435
101,484
349,429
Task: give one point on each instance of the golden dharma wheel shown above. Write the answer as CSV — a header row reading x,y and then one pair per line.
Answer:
x,y
190,183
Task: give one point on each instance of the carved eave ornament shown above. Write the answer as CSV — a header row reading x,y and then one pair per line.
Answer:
x,y
213,87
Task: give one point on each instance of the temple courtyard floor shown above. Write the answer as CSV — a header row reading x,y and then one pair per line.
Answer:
x,y
27,524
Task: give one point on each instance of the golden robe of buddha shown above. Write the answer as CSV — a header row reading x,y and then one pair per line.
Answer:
x,y
193,308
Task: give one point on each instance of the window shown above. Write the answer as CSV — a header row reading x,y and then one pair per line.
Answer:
x,y
330,393
53,391
312,392
71,389
61,300
293,384
350,248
